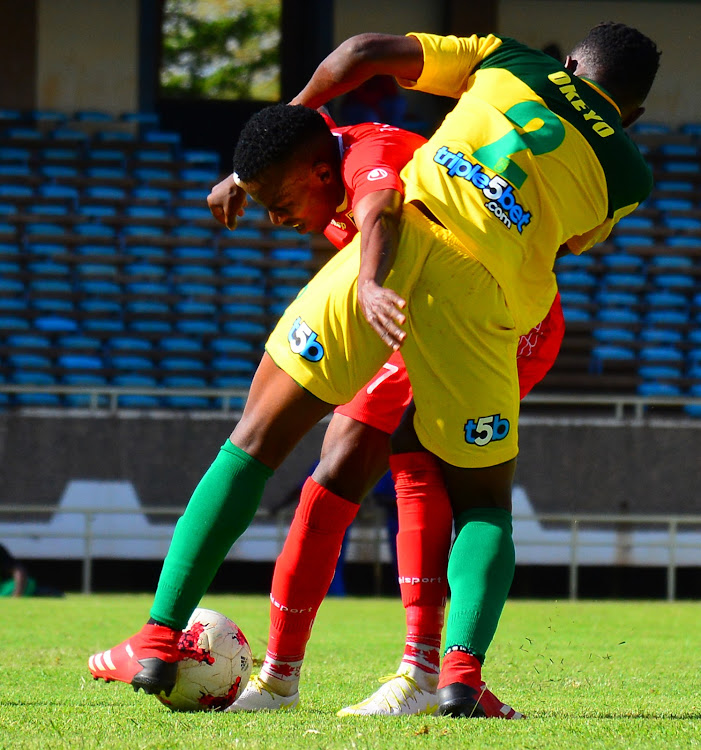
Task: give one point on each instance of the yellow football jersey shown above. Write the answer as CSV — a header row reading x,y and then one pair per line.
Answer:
x,y
531,157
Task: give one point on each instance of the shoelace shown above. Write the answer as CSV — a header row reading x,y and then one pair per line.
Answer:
x,y
260,686
405,692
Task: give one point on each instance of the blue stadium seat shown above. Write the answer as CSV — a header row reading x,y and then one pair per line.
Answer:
x,y
607,298
129,343
192,308
694,410
244,254
15,170
154,194
197,327
102,326
100,287
161,327
209,159
13,322
29,361
681,167
193,272
659,372
666,299
16,191
142,230
136,401
147,289
147,307
59,171
152,174
193,233
153,156
144,270
109,155
80,362
102,270
627,241
104,251
682,223
80,342
14,154
48,210
100,306
621,262
604,353
231,346
617,315
131,363
291,254
233,365
675,281
146,212
200,254
245,328
631,282
613,335
105,192
107,174
28,341
186,402
660,354
92,229
660,336
658,389
97,212
150,252
44,229
193,213
180,344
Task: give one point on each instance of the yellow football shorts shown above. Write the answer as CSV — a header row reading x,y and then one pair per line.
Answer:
x,y
460,349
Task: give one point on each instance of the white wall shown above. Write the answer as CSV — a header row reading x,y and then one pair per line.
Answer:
x,y
674,26
88,55
389,17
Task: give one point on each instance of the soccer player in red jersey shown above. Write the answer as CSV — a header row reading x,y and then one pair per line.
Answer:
x,y
355,454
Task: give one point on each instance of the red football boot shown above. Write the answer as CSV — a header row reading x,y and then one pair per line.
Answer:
x,y
147,660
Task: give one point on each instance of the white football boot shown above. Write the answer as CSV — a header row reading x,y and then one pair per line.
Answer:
x,y
400,695
259,697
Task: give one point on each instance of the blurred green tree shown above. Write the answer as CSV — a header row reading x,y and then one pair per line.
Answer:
x,y
221,49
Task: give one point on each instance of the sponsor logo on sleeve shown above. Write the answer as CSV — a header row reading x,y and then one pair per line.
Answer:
x,y
377,174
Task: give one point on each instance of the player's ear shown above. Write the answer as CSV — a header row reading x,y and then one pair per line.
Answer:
x,y
570,64
322,172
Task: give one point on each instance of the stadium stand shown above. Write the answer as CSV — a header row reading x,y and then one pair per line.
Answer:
x,y
113,273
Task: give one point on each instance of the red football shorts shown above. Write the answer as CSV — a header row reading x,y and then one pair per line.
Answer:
x,y
538,349
381,403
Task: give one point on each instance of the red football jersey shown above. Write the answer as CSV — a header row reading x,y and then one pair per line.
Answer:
x,y
372,156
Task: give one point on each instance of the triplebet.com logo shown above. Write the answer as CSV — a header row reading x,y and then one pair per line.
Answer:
x,y
498,192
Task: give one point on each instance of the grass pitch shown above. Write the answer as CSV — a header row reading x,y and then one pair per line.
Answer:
x,y
588,675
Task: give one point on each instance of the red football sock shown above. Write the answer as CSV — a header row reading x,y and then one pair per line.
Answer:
x,y
425,528
460,666
305,568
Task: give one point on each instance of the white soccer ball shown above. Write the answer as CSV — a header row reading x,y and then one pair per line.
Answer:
x,y
216,664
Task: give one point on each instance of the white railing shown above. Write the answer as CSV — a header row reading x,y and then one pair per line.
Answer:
x,y
98,395
576,541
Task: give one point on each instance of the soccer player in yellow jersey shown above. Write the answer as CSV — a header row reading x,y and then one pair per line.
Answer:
x,y
533,159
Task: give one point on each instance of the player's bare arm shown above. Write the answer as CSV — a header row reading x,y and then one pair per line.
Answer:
x,y
227,201
377,215
356,60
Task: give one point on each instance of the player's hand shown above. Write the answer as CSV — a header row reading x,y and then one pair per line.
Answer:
x,y
382,308
227,202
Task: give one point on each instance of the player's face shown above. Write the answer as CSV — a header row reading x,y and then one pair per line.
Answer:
x,y
303,197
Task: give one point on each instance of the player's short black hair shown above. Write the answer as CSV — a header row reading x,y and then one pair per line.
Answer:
x,y
626,61
275,134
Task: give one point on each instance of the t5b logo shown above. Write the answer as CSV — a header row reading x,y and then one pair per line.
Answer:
x,y
304,341
486,429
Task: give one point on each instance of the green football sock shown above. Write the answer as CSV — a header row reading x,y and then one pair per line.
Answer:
x,y
480,572
220,510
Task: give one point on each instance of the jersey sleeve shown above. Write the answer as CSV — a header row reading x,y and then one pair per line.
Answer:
x,y
449,61
376,159
586,241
